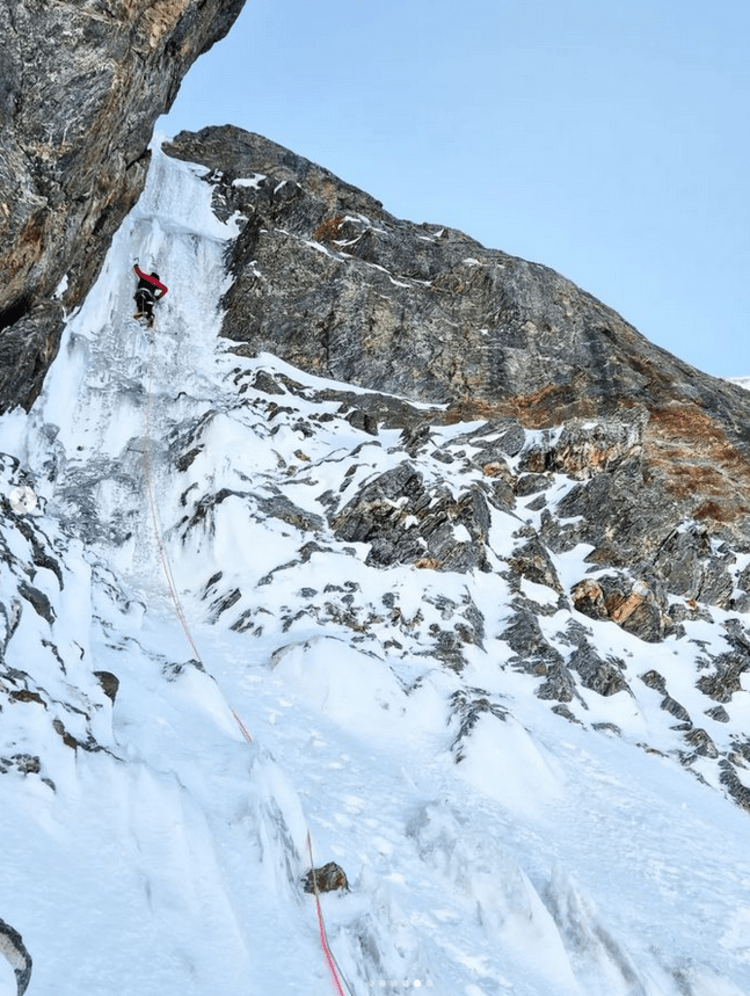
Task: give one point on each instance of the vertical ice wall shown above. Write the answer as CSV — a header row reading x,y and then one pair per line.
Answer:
x,y
95,401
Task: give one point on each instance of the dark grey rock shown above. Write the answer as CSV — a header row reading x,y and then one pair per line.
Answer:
x,y
81,86
467,706
263,381
27,764
40,602
533,654
467,628
363,420
110,683
531,484
702,742
655,680
674,708
718,713
13,948
605,677
559,684
280,507
724,678
330,877
404,522
733,784
533,562
562,710
559,536
689,567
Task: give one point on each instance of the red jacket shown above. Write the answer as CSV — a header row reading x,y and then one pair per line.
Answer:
x,y
151,280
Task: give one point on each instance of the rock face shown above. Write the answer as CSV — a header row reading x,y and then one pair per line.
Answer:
x,y
81,85
328,280
406,522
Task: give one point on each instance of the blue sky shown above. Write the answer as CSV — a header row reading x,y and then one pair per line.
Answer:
x,y
608,140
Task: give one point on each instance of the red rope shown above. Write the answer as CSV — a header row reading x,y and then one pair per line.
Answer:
x,y
323,939
181,615
166,567
148,466
242,727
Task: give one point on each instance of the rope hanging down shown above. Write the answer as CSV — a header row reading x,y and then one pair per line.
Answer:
x,y
169,576
148,465
148,468
331,961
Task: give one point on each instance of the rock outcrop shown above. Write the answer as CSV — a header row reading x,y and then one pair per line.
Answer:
x,y
81,85
13,948
328,878
328,280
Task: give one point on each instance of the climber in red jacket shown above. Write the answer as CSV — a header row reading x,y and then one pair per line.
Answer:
x,y
149,290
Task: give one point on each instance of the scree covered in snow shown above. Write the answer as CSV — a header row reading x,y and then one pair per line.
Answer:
x,y
491,846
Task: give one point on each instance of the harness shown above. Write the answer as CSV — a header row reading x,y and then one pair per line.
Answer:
x,y
146,291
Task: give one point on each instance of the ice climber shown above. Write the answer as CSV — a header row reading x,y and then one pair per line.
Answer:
x,y
148,291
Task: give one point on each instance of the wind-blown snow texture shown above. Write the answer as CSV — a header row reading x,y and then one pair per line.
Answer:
x,y
491,845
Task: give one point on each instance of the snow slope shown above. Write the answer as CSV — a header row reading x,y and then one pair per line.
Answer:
x,y
491,845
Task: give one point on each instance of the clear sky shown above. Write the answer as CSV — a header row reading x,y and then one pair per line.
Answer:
x,y
608,139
